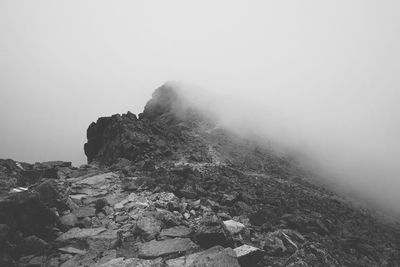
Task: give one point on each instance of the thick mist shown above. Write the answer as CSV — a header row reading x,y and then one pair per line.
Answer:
x,y
320,79
352,149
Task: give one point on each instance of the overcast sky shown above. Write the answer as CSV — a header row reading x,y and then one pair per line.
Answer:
x,y
323,75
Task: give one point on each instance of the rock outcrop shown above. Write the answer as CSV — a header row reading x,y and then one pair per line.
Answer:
x,y
171,188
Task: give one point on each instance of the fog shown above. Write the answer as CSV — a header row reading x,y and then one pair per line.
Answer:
x,y
319,78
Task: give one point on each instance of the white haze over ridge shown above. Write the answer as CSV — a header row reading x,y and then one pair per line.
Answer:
x,y
322,78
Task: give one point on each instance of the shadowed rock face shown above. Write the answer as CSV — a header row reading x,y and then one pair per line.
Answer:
x,y
161,129
170,188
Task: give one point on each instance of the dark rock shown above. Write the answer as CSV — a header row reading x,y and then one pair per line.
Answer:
x,y
34,245
154,249
248,256
211,232
52,195
25,212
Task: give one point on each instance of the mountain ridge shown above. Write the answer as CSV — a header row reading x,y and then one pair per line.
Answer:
x,y
171,186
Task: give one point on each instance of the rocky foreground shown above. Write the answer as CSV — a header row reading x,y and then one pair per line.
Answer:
x,y
171,188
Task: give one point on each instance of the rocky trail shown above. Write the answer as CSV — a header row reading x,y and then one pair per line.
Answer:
x,y
170,188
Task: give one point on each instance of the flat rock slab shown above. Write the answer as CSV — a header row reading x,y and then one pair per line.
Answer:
x,y
177,231
97,179
154,249
78,233
72,250
214,257
121,262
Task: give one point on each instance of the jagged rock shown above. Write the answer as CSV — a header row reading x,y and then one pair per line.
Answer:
x,y
148,227
79,234
10,174
248,255
154,249
213,257
274,246
234,227
177,231
211,232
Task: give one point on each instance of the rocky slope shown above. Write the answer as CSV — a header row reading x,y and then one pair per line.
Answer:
x,y
171,188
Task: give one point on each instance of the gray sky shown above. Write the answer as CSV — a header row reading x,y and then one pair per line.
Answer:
x,y
322,76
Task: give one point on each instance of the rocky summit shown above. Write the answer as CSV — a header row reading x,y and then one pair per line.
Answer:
x,y
170,187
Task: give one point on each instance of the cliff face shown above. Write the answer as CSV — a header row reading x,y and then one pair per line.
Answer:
x,y
171,188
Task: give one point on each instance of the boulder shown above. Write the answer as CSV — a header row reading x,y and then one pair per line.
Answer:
x,y
154,249
234,227
248,255
211,232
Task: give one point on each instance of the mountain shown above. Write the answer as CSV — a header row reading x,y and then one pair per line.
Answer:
x,y
172,187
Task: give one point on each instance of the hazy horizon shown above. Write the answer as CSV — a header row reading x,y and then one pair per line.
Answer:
x,y
322,78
